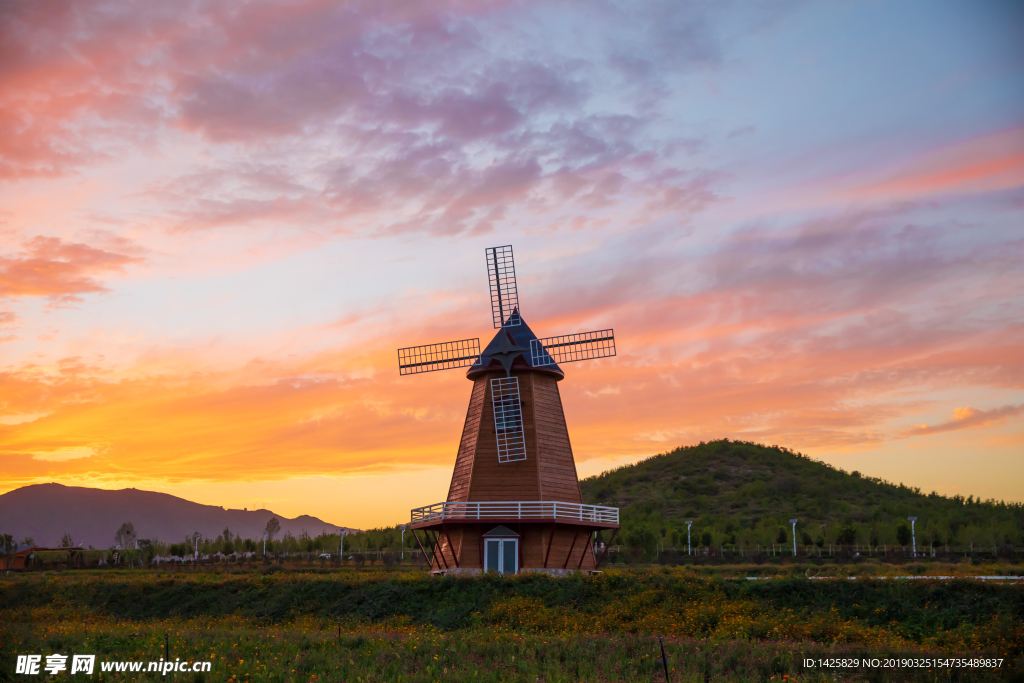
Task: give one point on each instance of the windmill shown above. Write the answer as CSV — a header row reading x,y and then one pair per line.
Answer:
x,y
514,502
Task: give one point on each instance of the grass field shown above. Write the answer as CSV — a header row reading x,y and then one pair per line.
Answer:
x,y
377,626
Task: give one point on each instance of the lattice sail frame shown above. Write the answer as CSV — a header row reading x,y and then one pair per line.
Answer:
x,y
430,357
569,348
508,419
501,278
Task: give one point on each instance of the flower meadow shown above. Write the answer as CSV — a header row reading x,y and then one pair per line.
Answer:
x,y
306,626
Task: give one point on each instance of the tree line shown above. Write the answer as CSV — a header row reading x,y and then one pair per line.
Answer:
x,y
230,543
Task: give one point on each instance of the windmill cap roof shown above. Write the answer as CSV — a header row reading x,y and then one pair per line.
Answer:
x,y
505,341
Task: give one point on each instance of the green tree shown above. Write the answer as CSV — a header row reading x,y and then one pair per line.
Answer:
x,y
227,548
642,539
8,546
903,534
66,541
273,526
705,538
847,535
805,538
148,549
782,537
125,536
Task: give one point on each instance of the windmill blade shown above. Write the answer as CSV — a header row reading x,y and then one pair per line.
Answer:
x,y
444,356
572,347
501,277
508,419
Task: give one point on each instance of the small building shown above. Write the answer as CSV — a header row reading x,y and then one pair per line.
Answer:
x,y
22,559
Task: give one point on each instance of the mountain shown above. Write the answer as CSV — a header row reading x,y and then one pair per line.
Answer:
x,y
741,492
46,512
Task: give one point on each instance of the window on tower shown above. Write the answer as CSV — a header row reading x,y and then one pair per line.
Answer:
x,y
508,419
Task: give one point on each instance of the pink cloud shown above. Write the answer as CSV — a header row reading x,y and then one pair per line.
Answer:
x,y
983,164
421,116
59,270
968,418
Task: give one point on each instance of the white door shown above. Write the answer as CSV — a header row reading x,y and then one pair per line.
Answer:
x,y
501,555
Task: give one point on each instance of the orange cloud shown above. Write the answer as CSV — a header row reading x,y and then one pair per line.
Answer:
x,y
771,346
967,418
59,270
346,410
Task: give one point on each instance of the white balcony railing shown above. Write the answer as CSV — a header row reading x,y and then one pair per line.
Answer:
x,y
525,510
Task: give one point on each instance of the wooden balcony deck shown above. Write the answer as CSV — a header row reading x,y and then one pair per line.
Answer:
x,y
500,512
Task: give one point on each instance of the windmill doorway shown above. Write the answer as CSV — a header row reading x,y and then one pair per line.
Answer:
x,y
501,551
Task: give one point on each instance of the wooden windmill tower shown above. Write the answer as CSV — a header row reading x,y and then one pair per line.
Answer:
x,y
514,502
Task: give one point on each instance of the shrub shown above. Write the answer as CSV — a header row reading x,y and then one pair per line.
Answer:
x,y
847,535
642,540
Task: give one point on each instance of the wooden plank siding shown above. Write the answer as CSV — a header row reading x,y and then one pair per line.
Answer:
x,y
457,549
558,478
534,538
459,489
493,480
548,473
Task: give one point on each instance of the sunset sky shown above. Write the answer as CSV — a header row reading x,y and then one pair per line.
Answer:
x,y
218,221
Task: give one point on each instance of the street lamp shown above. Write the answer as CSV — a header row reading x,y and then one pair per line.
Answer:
x,y
341,545
793,522
195,537
913,538
689,551
403,541
265,534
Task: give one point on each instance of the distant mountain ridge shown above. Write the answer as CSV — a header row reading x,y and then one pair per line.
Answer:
x,y
45,512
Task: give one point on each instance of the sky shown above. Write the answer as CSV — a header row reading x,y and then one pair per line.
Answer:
x,y
219,220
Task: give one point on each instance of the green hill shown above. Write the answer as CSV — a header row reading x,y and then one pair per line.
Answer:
x,y
744,494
